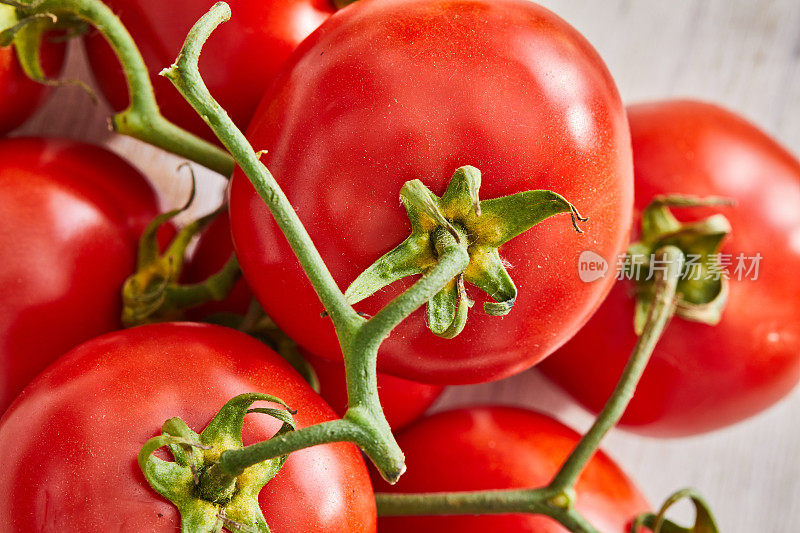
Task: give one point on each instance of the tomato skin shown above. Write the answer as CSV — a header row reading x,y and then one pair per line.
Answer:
x,y
484,448
19,95
71,439
70,218
704,377
403,401
239,60
387,91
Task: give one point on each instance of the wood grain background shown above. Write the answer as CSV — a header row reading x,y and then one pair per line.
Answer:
x,y
742,53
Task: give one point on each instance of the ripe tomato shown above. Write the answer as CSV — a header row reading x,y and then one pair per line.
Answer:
x,y
70,218
240,61
704,377
403,401
68,445
387,91
486,448
19,95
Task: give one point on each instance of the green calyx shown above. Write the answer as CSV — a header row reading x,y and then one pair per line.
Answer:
x,y
703,286
703,523
481,226
153,293
208,497
22,26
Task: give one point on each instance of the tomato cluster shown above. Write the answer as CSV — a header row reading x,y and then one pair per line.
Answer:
x,y
356,105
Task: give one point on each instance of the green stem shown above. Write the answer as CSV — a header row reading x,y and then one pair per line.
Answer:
x,y
556,500
185,75
661,311
534,501
233,462
215,288
361,357
142,119
364,423
452,261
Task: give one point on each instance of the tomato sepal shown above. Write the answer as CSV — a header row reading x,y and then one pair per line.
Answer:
x,y
153,293
482,226
26,30
209,498
704,521
703,287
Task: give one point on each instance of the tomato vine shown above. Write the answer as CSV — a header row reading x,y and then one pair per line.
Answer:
x,y
142,119
364,422
360,337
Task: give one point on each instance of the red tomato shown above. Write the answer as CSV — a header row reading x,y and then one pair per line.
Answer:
x,y
403,401
214,248
486,448
19,95
390,90
239,62
704,377
68,445
70,218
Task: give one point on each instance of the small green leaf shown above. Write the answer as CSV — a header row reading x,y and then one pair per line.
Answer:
x,y
658,220
461,200
170,479
704,519
702,280
511,215
148,243
184,455
153,293
225,430
448,309
487,272
8,17
27,38
215,288
411,257
422,206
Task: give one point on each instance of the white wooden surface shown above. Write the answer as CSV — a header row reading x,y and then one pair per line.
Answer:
x,y
742,53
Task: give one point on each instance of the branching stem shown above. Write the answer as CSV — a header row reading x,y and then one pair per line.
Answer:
x,y
557,499
142,119
364,423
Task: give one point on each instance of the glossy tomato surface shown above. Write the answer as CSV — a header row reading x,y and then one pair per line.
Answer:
x,y
704,377
69,444
387,91
485,448
19,95
70,218
403,401
238,63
